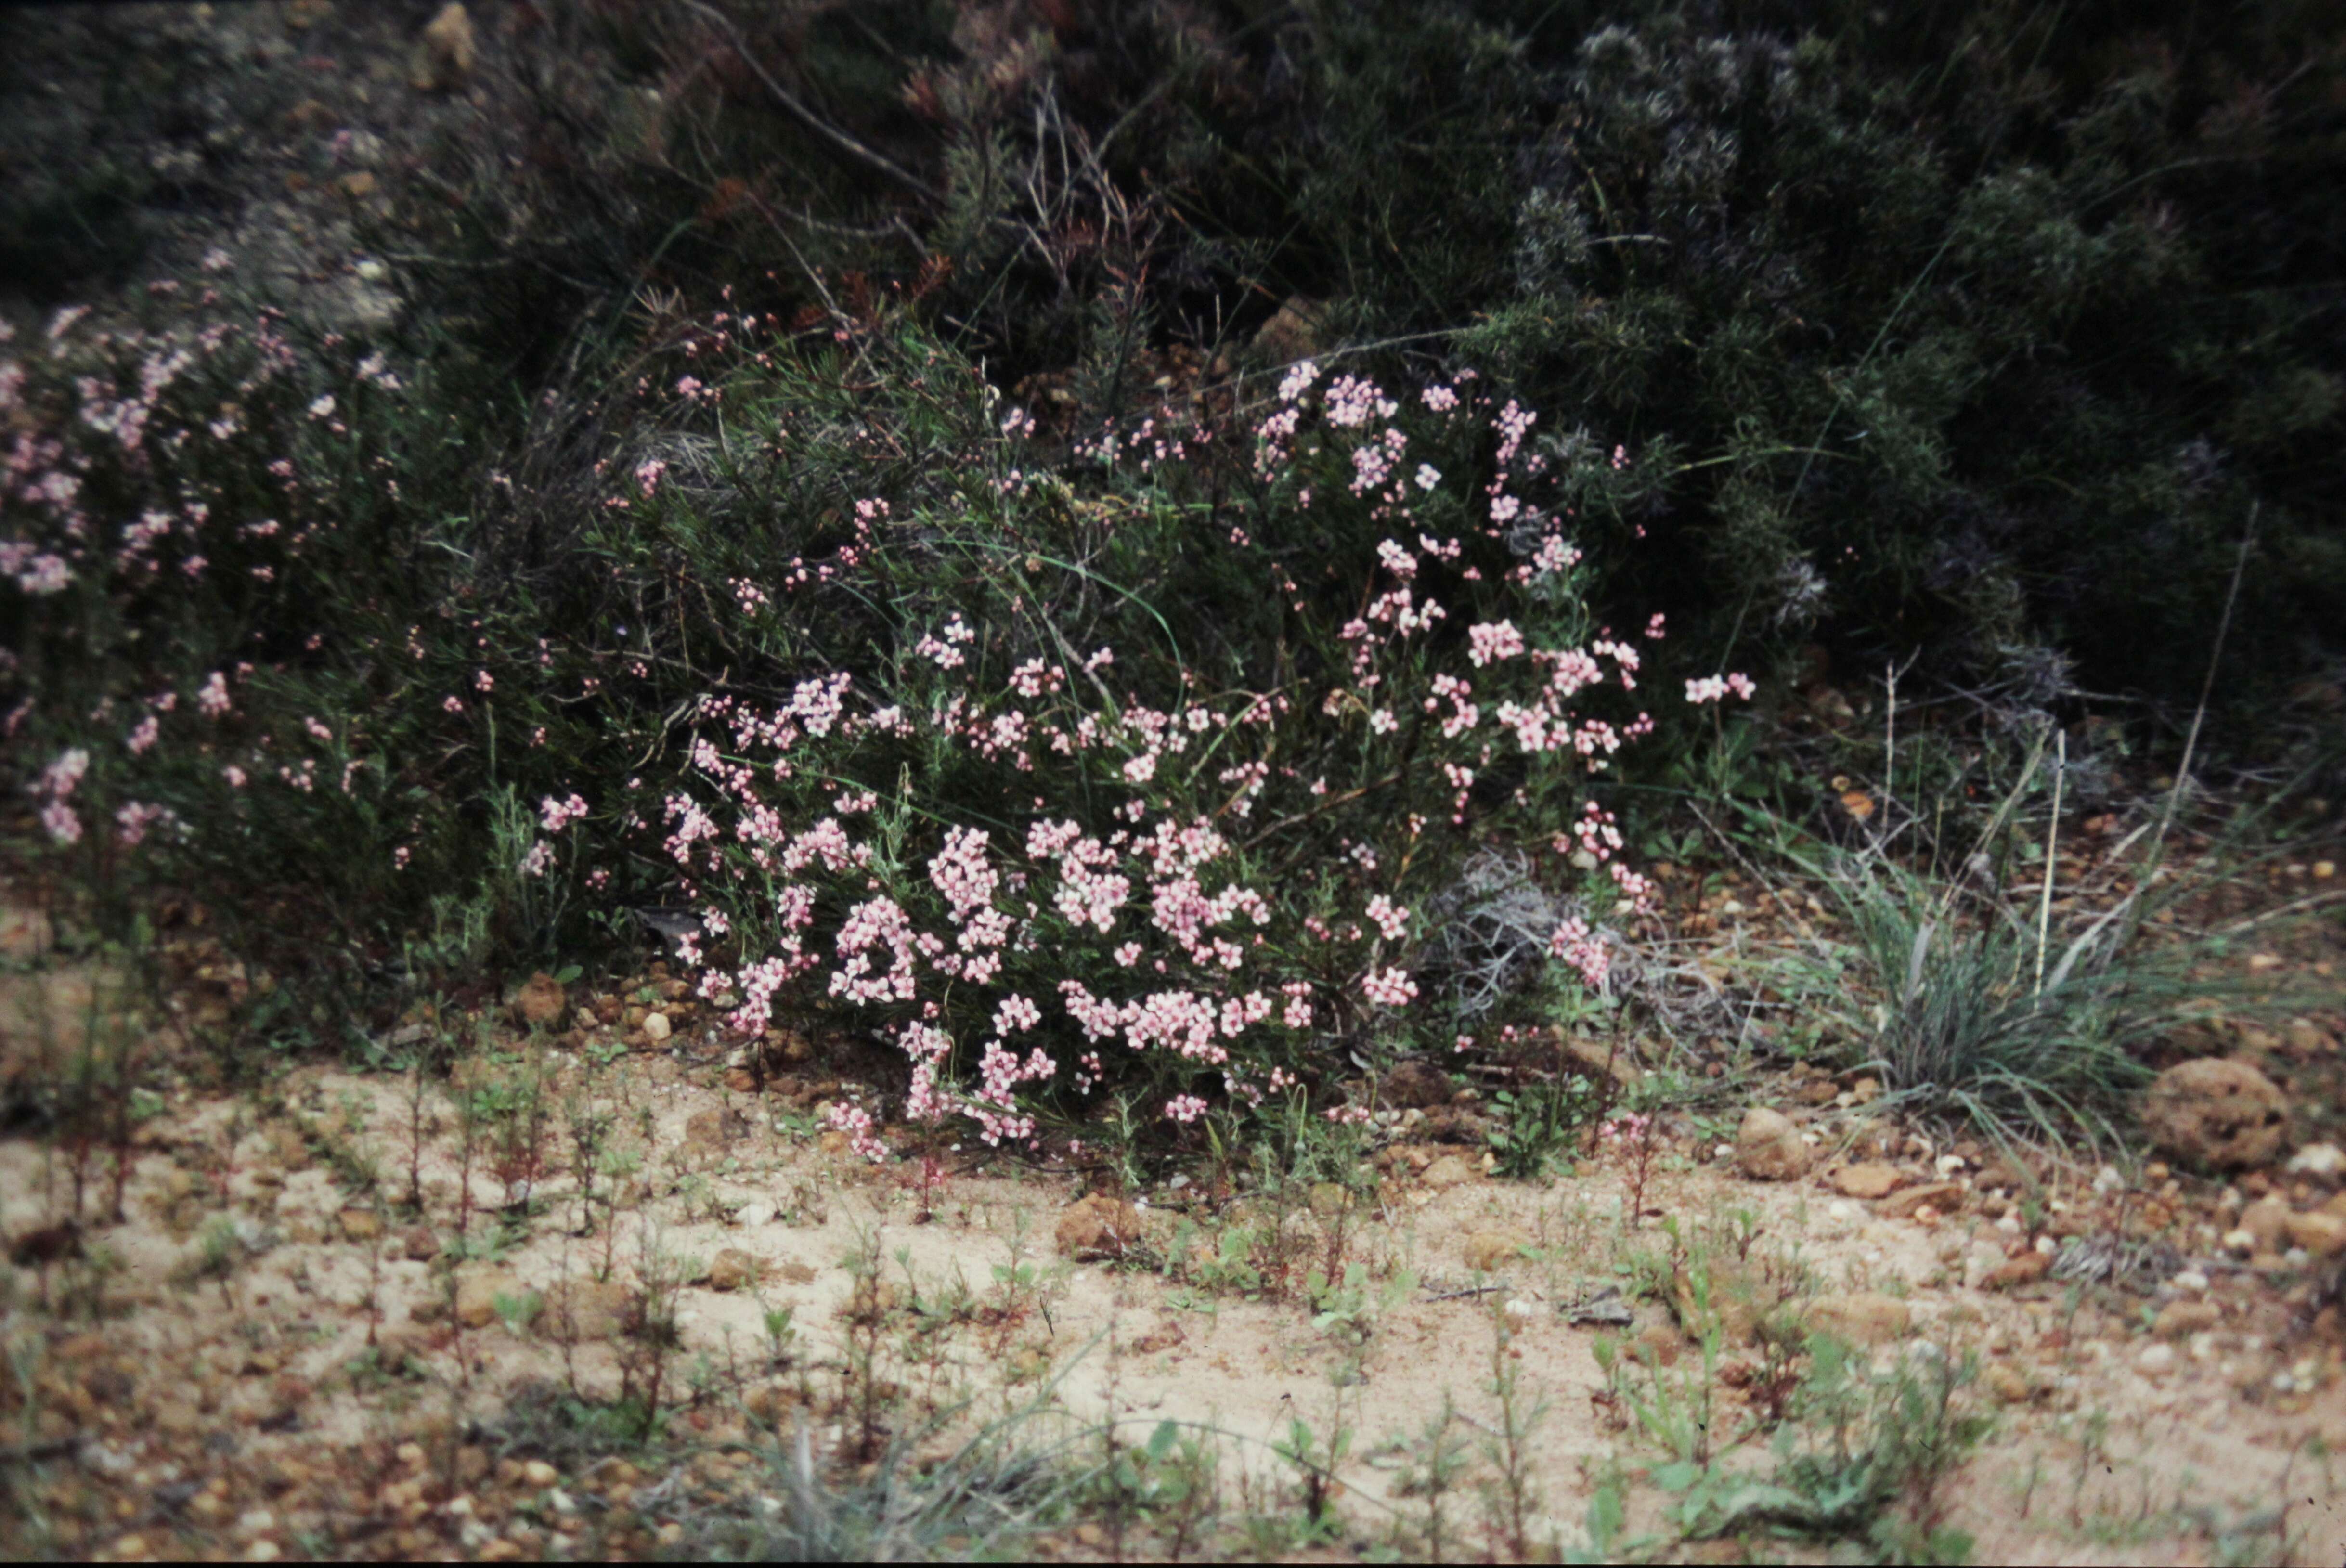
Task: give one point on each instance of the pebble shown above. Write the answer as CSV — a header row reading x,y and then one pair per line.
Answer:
x,y
2189,1280
2156,1358
2319,1160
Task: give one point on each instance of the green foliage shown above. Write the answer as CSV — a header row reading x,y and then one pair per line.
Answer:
x,y
1980,1007
1540,1123
1972,334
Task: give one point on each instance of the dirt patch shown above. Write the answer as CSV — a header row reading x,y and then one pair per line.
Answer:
x,y
246,1335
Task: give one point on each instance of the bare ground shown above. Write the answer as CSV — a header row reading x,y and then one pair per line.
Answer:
x,y
272,1352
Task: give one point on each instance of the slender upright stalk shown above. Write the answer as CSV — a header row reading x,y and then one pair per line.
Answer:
x,y
2051,839
2207,687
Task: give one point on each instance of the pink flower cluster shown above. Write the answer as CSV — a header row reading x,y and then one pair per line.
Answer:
x,y
1711,688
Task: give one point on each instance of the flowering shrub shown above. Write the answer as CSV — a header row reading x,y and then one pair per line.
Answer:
x,y
216,542
1126,772
1115,798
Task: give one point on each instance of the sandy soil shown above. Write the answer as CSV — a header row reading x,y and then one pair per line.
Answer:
x,y
153,1380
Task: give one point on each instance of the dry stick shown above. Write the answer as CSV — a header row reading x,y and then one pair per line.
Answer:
x,y
1890,744
2052,838
2207,687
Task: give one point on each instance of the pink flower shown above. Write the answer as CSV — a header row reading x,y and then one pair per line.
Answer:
x,y
59,819
1388,987
60,778
136,818
1491,641
1185,1108
855,1122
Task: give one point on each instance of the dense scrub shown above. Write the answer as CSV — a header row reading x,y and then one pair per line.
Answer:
x,y
1980,335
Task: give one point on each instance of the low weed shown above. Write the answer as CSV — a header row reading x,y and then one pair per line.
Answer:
x,y
1861,1456
1985,1010
1541,1126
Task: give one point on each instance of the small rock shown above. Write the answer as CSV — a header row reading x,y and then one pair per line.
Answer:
x,y
536,1472
708,1133
1862,1316
1768,1148
2009,1383
2180,1320
772,1401
2021,1268
1486,1251
1448,1171
1740,1297
2266,1221
755,1215
447,53
2320,1233
581,1311
421,1244
656,1027
1981,1260
2155,1359
540,1003
362,1225
1944,1197
733,1270
2318,1160
1868,1179
1096,1226
477,1296
2217,1112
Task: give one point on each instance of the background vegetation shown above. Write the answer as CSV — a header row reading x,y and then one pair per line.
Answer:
x,y
1979,342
